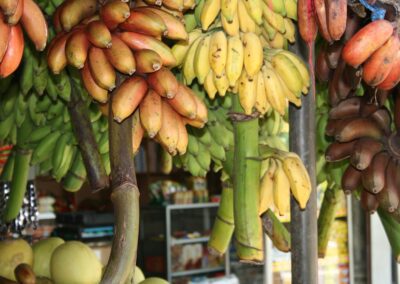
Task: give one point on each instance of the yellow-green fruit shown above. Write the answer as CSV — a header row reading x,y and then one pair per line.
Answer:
x,y
137,278
13,253
154,280
42,251
74,262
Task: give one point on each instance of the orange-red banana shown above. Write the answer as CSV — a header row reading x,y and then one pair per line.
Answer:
x,y
306,20
336,17
121,56
168,134
175,28
8,7
183,140
138,41
74,11
147,61
114,12
151,113
14,18
163,82
202,112
320,11
394,75
4,36
76,48
102,70
12,57
137,132
146,22
379,65
184,102
366,41
56,19
56,57
98,34
34,24
94,90
127,97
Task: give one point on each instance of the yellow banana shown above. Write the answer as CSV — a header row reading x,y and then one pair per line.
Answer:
x,y
209,12
180,49
218,52
234,60
281,190
288,72
279,42
247,91
291,9
201,63
253,53
209,85
254,10
278,6
273,89
269,30
301,67
188,64
290,33
221,83
293,98
231,27
229,9
262,105
274,19
246,23
298,177
267,188
264,42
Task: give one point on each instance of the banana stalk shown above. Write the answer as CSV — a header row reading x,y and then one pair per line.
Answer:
x,y
18,184
246,184
125,199
276,231
7,173
392,229
83,130
326,218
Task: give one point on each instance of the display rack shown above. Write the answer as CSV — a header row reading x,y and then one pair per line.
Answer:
x,y
171,242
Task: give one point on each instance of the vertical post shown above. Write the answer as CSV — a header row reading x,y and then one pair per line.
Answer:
x,y
303,225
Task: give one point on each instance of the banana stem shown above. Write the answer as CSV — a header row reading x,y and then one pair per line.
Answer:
x,y
18,184
276,231
7,173
392,229
83,130
326,218
125,199
246,184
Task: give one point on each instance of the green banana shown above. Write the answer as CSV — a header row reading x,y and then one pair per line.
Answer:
x,y
8,101
67,158
57,156
44,149
40,75
204,159
193,145
8,169
26,78
6,126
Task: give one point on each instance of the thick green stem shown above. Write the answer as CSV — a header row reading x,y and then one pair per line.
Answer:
x,y
392,229
276,231
125,198
7,173
18,184
83,130
326,218
246,184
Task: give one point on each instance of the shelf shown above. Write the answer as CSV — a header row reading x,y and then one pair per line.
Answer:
x,y
192,206
189,241
197,271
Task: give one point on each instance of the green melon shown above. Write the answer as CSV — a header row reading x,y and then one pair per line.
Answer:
x,y
75,263
42,251
154,280
13,253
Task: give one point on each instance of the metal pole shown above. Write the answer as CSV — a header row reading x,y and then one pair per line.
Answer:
x,y
303,225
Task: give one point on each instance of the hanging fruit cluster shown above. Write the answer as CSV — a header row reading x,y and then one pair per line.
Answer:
x,y
15,16
120,39
242,51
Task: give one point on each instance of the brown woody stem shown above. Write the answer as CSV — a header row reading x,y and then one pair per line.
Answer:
x,y
125,198
83,130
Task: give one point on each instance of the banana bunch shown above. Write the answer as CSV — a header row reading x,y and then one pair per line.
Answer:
x,y
263,79
210,143
282,173
17,16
